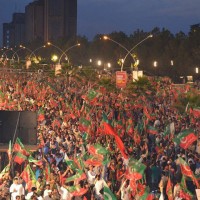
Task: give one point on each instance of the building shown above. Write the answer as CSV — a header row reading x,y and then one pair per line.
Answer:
x,y
60,19
14,32
34,21
44,20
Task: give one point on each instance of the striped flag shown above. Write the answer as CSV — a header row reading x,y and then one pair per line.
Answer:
x,y
185,138
152,130
107,193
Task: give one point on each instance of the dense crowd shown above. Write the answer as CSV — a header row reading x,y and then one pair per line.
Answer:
x,y
97,144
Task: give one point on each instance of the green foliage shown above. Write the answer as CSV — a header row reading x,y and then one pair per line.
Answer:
x,y
192,98
108,83
140,86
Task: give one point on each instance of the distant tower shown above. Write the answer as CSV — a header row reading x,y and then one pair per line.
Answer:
x,y
60,19
14,32
34,21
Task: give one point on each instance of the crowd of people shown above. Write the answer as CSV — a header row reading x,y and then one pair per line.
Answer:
x,y
96,144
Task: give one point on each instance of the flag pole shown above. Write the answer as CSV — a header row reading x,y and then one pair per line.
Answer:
x,y
13,140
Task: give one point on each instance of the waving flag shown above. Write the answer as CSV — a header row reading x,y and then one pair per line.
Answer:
x,y
185,138
147,195
5,171
35,161
195,112
84,124
80,175
76,190
29,177
135,170
41,116
20,158
152,130
110,131
107,193
185,169
19,147
169,189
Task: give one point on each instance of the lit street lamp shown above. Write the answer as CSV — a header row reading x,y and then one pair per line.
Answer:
x,y
99,62
33,52
129,52
197,70
155,63
21,48
14,52
64,52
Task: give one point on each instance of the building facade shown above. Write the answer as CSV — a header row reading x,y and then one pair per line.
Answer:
x,y
14,32
34,21
60,19
44,20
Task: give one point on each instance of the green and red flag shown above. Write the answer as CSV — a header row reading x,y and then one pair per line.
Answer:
x,y
167,131
109,130
141,188
195,112
47,171
107,193
185,138
76,190
19,158
80,175
79,162
97,149
152,130
19,147
184,195
146,112
71,164
29,177
5,171
35,161
94,161
146,195
135,169
185,169
84,124
41,116
92,94
169,189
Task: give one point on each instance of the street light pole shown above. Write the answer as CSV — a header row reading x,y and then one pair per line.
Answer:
x,y
105,37
129,52
50,44
64,52
21,48
33,52
14,52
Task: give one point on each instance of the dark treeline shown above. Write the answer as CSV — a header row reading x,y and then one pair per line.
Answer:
x,y
176,54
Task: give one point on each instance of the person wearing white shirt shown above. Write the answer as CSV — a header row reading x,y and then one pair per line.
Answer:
x,y
16,189
125,190
98,186
47,193
64,193
91,175
30,194
21,190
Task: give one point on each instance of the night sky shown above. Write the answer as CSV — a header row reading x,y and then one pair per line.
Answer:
x,y
106,16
